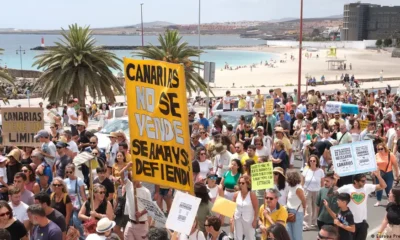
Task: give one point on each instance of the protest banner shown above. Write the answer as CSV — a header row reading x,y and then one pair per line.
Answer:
x,y
224,207
333,107
278,92
363,124
262,176
269,106
153,210
353,158
183,212
158,124
20,126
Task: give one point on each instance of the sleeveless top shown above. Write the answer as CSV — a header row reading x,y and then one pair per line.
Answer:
x,y
213,193
244,208
29,185
101,209
355,137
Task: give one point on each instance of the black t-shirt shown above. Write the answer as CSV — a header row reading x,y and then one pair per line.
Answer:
x,y
320,148
60,206
11,171
58,219
107,184
347,219
393,213
83,138
17,230
245,134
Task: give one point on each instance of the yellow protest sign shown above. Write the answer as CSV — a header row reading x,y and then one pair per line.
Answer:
x,y
20,126
224,207
269,106
363,124
262,176
158,124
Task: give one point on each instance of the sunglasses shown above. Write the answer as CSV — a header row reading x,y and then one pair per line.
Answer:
x,y
201,154
269,198
213,178
68,172
312,161
58,147
24,170
380,149
57,185
5,214
102,192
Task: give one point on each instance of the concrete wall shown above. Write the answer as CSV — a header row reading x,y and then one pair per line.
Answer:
x,y
342,44
25,73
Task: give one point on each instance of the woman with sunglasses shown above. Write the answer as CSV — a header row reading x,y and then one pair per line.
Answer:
x,y
16,229
230,179
76,191
204,139
54,134
30,183
213,187
387,163
313,179
280,184
60,199
246,213
204,163
101,207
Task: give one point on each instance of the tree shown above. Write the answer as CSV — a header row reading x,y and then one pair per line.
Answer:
x,y
315,32
379,43
387,42
5,78
76,66
174,51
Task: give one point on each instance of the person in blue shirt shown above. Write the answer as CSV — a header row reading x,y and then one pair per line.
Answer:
x,y
43,169
204,121
287,115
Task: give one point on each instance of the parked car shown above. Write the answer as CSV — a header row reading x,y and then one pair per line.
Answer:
x,y
232,118
117,112
113,126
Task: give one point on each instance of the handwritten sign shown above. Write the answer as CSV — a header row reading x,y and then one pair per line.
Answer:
x,y
160,142
183,212
224,207
363,124
262,176
353,158
269,106
20,126
278,92
153,210
333,107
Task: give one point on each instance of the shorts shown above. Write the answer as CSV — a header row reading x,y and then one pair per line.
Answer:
x,y
74,131
164,192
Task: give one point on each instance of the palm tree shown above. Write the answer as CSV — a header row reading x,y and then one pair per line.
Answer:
x,y
76,66
5,78
174,51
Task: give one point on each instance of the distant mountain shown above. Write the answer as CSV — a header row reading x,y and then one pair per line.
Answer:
x,y
296,19
281,20
148,25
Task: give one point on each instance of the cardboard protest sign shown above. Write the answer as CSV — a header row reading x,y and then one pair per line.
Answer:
x,y
333,107
278,92
353,158
158,124
262,176
224,207
269,106
183,212
20,126
363,124
153,210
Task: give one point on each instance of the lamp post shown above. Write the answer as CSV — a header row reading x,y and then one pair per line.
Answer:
x,y
141,16
20,51
300,52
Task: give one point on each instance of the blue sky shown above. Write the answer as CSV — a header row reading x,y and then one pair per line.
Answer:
x,y
54,14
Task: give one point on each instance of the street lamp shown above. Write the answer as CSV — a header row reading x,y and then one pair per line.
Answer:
x,y
300,53
20,51
198,30
141,16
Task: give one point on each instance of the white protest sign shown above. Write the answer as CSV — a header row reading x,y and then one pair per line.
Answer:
x,y
333,107
183,212
153,210
353,158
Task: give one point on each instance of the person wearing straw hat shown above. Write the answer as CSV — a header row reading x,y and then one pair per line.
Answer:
x,y
103,230
222,161
280,184
13,164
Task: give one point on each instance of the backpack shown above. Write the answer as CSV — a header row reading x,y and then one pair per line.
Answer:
x,y
222,235
53,195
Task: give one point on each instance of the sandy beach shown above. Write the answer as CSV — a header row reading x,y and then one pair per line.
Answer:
x,y
365,64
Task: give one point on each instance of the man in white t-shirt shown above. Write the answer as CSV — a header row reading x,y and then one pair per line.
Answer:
x,y
249,103
359,191
72,146
227,101
72,117
19,208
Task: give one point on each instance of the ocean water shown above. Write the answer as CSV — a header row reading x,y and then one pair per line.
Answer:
x,y
12,42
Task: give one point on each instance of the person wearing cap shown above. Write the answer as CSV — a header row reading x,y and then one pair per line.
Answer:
x,y
48,149
44,228
62,160
103,230
271,212
204,121
138,225
72,117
